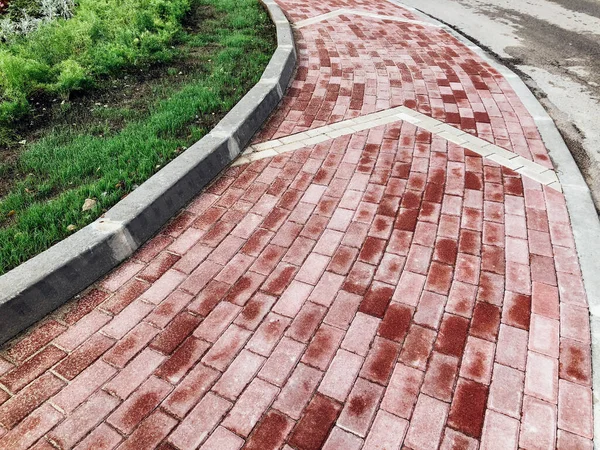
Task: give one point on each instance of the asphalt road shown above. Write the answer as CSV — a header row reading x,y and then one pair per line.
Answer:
x,y
555,45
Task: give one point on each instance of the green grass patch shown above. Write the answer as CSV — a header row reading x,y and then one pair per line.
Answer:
x,y
135,127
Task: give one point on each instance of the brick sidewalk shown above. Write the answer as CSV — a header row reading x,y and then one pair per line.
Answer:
x,y
384,288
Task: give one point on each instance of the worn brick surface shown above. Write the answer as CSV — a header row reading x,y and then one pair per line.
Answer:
x,y
381,289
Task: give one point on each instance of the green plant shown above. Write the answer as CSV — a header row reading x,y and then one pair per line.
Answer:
x,y
57,54
53,176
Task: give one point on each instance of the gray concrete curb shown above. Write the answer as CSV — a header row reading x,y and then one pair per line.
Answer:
x,y
582,212
45,282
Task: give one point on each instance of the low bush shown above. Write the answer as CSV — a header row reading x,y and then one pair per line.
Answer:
x,y
55,54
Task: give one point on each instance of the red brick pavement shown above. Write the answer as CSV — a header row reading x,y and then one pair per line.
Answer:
x,y
386,289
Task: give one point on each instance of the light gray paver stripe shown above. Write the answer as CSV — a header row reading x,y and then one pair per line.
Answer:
x,y
503,157
356,12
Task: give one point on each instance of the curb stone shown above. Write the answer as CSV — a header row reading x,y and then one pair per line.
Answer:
x,y
40,285
582,211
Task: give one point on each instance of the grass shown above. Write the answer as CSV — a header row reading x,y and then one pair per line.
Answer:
x,y
119,147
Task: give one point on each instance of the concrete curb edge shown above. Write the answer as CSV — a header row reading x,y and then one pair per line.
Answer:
x,y
40,285
582,212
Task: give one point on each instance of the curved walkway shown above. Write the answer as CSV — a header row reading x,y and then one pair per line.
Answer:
x,y
400,274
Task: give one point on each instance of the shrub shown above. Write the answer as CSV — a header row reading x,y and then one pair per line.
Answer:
x,y
60,54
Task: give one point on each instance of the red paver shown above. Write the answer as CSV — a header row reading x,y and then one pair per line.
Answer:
x,y
377,290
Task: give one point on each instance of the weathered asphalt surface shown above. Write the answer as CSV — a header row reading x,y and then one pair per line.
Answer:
x,y
555,44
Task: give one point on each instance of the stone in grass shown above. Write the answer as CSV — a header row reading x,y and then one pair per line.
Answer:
x,y
89,203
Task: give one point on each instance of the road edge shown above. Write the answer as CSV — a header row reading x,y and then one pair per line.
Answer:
x,y
580,205
40,285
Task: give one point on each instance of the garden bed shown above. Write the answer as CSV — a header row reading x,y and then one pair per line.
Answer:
x,y
100,142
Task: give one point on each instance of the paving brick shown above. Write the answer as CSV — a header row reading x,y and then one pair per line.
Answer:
x,y
141,403
217,321
163,286
134,374
158,267
200,422
235,268
343,309
339,438
298,390
360,334
477,360
168,308
191,390
84,328
186,356
574,323
538,424
83,356
499,432
427,423
35,340
323,346
270,433
342,260
377,299
123,322
306,322
396,322
430,309
102,437
292,299
441,376
150,433
19,406
175,333
541,377
282,361
575,409
401,395
132,343
569,441
380,361
360,408
315,425
121,275
33,427
200,277
516,310
83,385
325,291
417,347
254,311
223,439
244,288
506,391
226,348
341,374
238,375
359,278
409,288
268,334
575,362
83,420
390,269
388,431
468,407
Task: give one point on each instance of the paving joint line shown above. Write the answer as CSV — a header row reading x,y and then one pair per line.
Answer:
x,y
357,12
485,149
